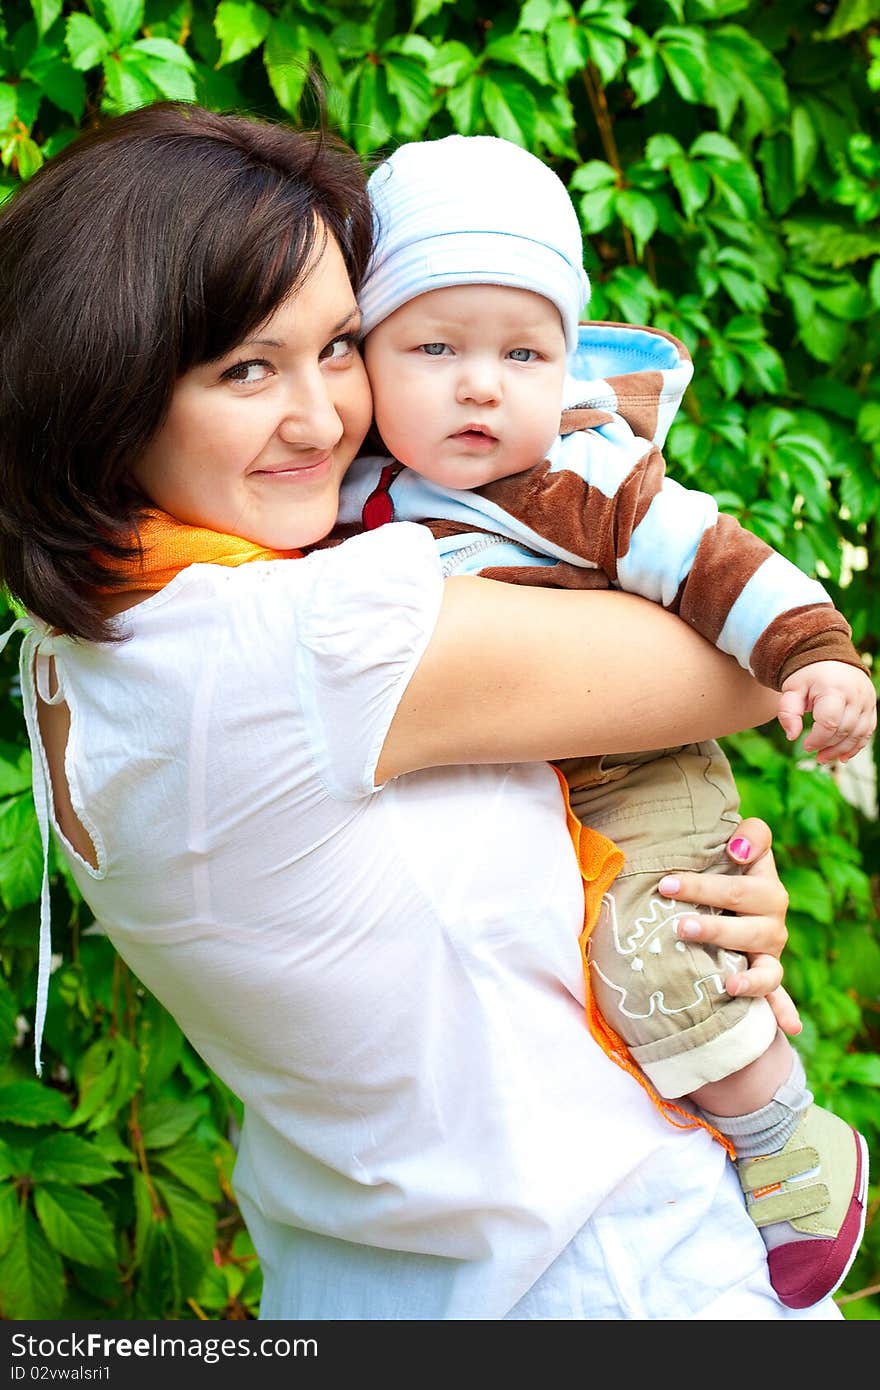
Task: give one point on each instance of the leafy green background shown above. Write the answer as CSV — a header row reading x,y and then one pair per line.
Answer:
x,y
724,158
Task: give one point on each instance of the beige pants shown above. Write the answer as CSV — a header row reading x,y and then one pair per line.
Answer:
x,y
666,810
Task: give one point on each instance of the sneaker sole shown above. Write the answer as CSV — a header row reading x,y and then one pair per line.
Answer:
x,y
807,1297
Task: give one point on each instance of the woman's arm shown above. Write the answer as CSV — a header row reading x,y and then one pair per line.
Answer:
x,y
516,674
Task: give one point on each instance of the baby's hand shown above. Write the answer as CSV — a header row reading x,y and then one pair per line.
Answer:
x,y
843,704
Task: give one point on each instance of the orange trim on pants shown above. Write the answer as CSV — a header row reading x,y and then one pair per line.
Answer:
x,y
600,862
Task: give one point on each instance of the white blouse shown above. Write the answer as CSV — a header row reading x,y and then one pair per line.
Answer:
x,y
388,977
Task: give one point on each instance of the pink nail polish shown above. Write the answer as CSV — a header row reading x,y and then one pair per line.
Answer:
x,y
740,848
669,886
689,927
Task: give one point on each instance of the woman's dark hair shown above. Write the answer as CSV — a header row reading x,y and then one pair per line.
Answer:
x,y
146,247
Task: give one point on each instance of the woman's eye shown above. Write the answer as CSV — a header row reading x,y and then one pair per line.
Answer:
x,y
522,354
248,372
434,349
340,348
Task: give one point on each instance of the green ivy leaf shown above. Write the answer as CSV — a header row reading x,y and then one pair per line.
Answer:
x,y
521,50
191,1163
850,15
76,1225
28,157
860,1068
145,1216
86,41
566,47
555,127
65,88
159,1286
451,64
742,70
594,174
324,51
868,422
66,1158
804,143
127,84
639,213
424,9
241,26
606,35
160,1044
373,118
123,17
737,186
464,104
511,111
597,209
683,54
108,1078
8,1015
31,1103
8,105
718,9
410,85
163,1122
286,54
644,73
31,1274
775,157
192,1218
21,852
537,14
809,893
45,13
10,1204
167,66
633,294
15,769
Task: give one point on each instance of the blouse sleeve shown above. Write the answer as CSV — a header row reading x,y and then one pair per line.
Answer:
x,y
365,620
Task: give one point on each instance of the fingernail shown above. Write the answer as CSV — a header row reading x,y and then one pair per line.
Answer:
x,y
689,926
669,886
740,849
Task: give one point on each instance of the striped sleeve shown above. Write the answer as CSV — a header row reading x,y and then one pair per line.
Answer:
x,y
604,501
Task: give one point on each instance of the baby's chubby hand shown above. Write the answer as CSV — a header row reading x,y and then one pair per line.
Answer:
x,y
843,703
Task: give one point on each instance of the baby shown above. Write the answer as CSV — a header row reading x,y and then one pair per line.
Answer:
x,y
531,447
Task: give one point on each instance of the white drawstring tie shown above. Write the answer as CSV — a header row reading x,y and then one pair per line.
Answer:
x,y
37,648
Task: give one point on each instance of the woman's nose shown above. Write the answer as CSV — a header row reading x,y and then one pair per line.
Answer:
x,y
310,419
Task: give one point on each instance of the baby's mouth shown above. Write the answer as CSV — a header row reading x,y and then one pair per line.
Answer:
x,y
476,434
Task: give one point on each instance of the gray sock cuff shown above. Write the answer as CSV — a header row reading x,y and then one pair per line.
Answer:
x,y
766,1130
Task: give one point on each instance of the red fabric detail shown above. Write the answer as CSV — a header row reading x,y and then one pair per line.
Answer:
x,y
378,509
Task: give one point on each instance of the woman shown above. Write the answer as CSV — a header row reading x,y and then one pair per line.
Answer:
x,y
282,787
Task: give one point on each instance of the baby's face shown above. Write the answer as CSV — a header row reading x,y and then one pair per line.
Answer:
x,y
467,382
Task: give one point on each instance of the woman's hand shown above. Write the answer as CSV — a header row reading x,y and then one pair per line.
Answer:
x,y
758,900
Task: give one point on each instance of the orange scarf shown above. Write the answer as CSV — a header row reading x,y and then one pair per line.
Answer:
x,y
170,546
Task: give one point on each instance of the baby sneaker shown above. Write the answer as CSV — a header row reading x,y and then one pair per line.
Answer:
x,y
809,1202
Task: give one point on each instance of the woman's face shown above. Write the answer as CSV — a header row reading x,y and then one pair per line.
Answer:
x,y
256,444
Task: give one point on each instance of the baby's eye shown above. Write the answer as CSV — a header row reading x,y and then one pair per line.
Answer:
x,y
249,372
434,349
522,354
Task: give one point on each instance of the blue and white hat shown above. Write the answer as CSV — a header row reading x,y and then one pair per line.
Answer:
x,y
472,210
